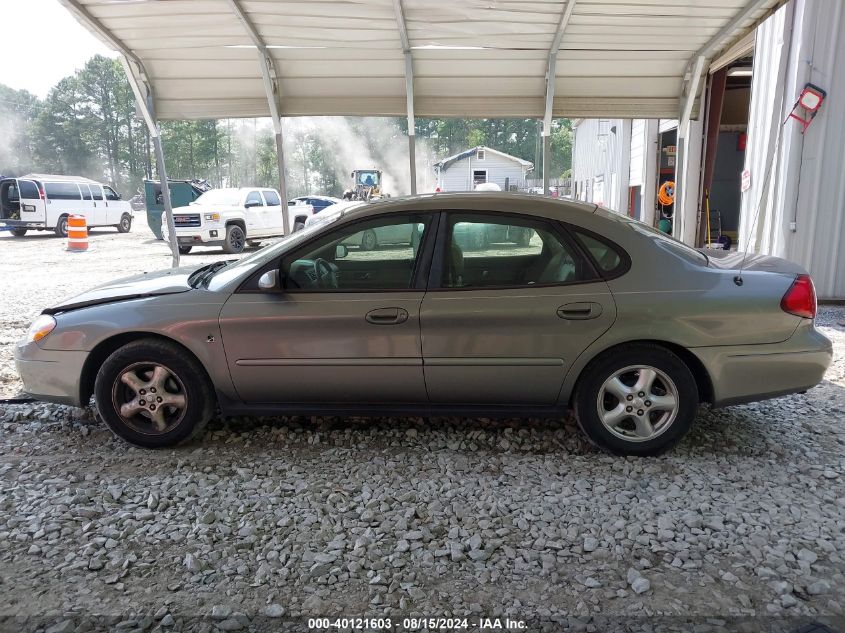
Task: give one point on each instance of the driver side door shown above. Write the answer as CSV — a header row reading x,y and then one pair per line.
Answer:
x,y
343,326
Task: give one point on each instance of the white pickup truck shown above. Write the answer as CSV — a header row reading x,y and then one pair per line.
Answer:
x,y
233,218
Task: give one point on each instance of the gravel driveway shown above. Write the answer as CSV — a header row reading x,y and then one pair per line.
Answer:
x,y
269,520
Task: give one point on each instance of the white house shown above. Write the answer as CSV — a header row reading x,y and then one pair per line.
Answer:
x,y
462,172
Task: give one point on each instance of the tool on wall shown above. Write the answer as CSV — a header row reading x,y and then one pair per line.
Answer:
x,y
807,106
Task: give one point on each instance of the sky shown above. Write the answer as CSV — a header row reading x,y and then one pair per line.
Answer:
x,y
35,59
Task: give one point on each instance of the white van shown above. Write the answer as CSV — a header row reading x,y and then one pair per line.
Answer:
x,y
42,202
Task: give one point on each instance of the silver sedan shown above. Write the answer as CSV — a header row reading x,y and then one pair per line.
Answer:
x,y
583,310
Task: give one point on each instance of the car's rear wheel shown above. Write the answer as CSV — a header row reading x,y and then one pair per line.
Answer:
x,y
184,250
18,232
61,227
640,399
235,239
152,394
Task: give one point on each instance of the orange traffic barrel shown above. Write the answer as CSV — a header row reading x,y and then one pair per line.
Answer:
x,y
77,233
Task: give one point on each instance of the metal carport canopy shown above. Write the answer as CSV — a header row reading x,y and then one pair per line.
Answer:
x,y
196,59
470,58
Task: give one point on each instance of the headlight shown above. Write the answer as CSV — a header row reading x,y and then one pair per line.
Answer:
x,y
212,216
40,328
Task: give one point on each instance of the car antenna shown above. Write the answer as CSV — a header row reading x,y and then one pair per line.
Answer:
x,y
738,278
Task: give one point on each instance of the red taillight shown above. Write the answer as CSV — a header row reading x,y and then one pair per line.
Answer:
x,y
41,194
800,299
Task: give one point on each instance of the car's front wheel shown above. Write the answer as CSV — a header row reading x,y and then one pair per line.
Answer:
x,y
184,250
640,399
235,240
18,232
152,394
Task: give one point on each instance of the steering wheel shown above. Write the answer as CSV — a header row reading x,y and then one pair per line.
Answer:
x,y
324,273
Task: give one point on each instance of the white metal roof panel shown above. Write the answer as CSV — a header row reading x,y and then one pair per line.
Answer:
x,y
471,58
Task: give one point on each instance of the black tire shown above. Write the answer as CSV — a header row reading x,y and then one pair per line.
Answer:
x,y
188,379
592,379
61,227
524,238
235,240
253,243
18,232
125,224
184,250
369,240
298,226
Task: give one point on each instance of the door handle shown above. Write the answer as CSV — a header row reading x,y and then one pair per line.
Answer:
x,y
387,316
580,311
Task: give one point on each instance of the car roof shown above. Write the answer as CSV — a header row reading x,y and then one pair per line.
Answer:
x,y
498,201
58,178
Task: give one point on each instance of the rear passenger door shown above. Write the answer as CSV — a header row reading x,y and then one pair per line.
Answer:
x,y
254,209
512,302
273,213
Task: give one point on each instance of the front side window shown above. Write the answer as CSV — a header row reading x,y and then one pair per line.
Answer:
x,y
254,199
490,251
272,198
375,255
62,191
111,194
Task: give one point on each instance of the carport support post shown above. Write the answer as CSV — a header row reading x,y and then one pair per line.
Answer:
x,y
546,165
165,196
678,218
412,131
399,12
144,100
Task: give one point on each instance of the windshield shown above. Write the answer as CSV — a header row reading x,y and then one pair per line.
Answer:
x,y
368,178
227,197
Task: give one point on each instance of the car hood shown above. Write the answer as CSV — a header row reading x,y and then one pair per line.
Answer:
x,y
732,260
153,284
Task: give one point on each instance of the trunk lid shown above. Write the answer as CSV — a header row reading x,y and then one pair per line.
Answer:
x,y
732,260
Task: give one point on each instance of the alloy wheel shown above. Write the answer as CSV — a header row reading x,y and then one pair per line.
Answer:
x,y
638,403
149,398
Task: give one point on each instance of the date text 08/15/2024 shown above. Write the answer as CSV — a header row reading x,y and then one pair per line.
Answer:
x,y
414,624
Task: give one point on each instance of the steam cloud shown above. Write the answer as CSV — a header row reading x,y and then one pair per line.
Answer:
x,y
368,143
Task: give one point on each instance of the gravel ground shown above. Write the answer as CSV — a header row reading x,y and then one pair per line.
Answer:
x,y
266,521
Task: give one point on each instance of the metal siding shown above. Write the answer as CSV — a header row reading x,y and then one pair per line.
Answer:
x,y
599,162
802,43
637,163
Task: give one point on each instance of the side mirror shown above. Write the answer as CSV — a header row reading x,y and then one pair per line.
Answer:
x,y
269,280
341,251
250,204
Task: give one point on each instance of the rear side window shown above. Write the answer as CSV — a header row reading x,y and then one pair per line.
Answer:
x,y
608,257
272,198
86,192
494,251
28,190
62,191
